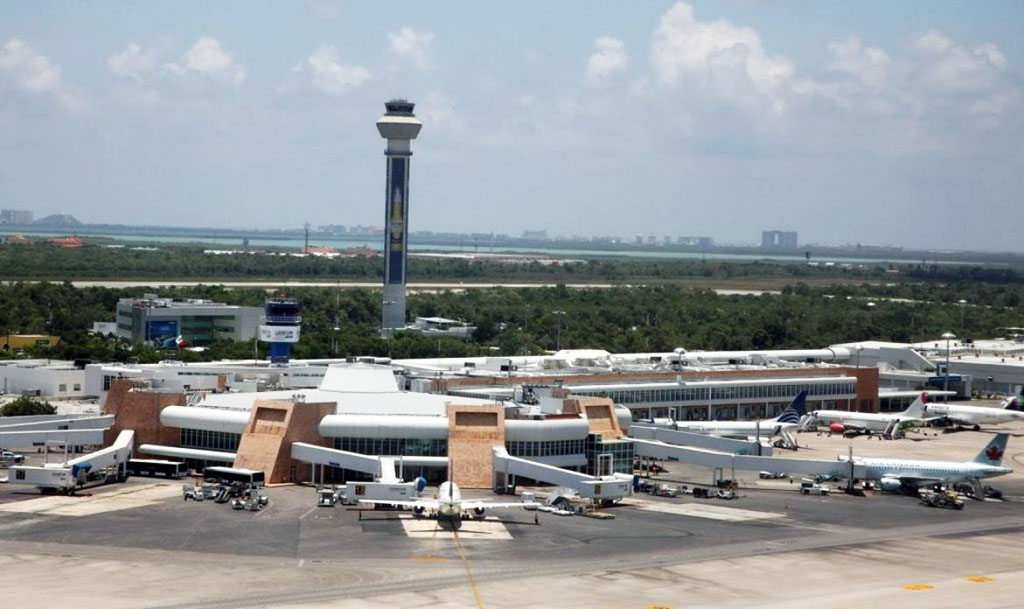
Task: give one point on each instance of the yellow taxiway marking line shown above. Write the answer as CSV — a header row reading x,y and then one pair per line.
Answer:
x,y
469,571
918,587
979,579
428,558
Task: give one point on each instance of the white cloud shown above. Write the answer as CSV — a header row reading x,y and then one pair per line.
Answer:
x,y
870,65
35,73
954,67
995,105
207,59
435,110
412,45
608,59
133,63
332,76
724,60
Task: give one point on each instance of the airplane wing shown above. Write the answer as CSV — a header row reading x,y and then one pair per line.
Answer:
x,y
472,505
917,480
426,504
854,425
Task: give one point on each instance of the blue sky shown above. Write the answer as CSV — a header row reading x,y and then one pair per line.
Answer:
x,y
875,122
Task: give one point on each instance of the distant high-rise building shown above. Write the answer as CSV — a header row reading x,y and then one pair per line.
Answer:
x,y
535,235
15,216
399,126
778,239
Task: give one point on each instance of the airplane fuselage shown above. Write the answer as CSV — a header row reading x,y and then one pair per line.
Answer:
x,y
973,415
946,471
866,420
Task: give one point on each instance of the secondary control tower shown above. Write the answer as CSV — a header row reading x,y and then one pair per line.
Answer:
x,y
281,325
399,126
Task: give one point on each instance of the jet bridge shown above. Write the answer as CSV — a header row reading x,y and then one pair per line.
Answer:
x,y
730,461
383,469
104,465
601,488
697,440
23,432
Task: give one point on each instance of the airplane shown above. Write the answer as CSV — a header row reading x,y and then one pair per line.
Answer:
x,y
974,416
449,504
896,474
789,420
842,421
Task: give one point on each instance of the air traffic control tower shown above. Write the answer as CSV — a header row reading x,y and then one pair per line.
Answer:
x,y
399,127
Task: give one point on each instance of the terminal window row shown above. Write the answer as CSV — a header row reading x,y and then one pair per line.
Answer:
x,y
705,394
545,449
210,440
393,446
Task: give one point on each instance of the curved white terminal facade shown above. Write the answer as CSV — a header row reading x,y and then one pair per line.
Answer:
x,y
384,426
206,419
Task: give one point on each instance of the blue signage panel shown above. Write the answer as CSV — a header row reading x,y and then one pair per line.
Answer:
x,y
396,221
162,333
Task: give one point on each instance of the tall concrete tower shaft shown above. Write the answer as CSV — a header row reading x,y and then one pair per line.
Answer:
x,y
399,127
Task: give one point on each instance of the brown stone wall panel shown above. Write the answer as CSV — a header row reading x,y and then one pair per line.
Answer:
x,y
137,408
473,432
273,426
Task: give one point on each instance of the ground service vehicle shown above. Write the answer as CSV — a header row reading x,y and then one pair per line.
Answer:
x,y
156,468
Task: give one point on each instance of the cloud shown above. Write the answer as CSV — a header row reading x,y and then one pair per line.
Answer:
x,y
869,65
435,110
953,67
412,45
998,104
609,58
35,73
133,63
726,61
330,75
207,59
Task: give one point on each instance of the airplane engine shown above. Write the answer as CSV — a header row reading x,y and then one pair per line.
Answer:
x,y
836,427
890,485
417,510
478,512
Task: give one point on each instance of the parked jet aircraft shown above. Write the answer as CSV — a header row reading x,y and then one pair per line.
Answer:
x,y
450,505
894,474
842,421
974,416
789,420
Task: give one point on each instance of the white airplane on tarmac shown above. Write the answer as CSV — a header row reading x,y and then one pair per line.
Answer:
x,y
974,416
449,504
843,421
789,420
896,474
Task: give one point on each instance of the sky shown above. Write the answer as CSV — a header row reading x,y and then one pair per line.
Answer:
x,y
878,122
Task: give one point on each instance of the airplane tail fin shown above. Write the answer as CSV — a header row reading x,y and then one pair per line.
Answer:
x,y
917,409
992,454
1013,403
796,409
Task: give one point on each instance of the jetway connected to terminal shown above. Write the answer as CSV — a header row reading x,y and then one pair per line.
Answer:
x,y
104,465
722,461
24,432
598,488
696,440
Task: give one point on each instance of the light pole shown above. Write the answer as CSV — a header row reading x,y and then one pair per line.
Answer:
x,y
558,339
962,302
947,336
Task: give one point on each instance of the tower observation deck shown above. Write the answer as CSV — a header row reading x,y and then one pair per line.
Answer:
x,y
281,324
399,126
